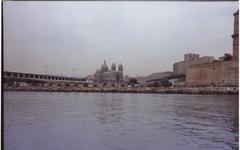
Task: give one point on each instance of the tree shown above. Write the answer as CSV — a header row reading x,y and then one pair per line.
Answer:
x,y
227,57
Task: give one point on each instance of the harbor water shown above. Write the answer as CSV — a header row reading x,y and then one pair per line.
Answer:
x,y
118,121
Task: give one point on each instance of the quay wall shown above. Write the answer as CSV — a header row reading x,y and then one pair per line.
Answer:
x,y
167,90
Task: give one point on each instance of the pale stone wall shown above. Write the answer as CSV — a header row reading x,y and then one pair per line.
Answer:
x,y
202,75
213,74
189,60
190,57
179,67
202,60
229,73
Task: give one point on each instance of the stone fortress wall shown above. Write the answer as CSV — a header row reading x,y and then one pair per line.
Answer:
x,y
189,60
220,73
213,74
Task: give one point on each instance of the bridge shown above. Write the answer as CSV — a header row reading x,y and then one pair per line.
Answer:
x,y
41,78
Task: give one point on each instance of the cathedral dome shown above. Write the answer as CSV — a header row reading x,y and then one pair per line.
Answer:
x,y
113,67
104,67
98,71
120,67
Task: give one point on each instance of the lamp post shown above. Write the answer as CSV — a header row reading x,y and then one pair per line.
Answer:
x,y
46,67
73,72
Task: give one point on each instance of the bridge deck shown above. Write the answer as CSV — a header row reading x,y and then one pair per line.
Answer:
x,y
19,76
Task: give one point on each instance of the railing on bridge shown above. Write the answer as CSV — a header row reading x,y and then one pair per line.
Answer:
x,y
41,77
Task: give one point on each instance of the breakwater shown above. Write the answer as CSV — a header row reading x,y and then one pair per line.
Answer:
x,y
164,90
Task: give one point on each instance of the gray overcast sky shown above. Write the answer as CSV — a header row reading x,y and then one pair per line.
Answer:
x,y
145,37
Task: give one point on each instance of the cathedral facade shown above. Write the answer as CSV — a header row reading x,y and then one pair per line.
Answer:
x,y
105,75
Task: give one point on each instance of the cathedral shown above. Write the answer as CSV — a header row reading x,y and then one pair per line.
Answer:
x,y
109,76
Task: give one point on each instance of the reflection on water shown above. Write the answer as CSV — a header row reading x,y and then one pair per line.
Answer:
x,y
97,121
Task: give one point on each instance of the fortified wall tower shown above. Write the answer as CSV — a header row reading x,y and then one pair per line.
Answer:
x,y
220,73
235,36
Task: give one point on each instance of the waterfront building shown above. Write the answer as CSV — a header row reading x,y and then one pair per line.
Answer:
x,y
105,75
